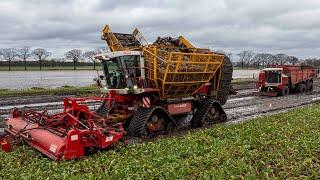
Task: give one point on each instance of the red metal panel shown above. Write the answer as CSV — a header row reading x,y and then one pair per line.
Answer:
x,y
262,77
48,143
5,145
179,108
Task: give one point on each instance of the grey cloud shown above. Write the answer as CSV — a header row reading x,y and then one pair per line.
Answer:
x,y
289,26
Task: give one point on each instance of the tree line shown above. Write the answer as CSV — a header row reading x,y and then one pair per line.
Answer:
x,y
25,54
250,59
245,59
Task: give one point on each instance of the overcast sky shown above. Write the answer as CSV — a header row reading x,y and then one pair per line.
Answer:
x,y
288,26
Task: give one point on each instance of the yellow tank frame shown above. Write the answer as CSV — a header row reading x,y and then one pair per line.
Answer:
x,y
180,74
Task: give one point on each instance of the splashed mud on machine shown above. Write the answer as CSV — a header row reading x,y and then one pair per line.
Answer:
x,y
147,89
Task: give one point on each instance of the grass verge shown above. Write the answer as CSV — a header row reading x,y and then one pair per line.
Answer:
x,y
284,146
49,91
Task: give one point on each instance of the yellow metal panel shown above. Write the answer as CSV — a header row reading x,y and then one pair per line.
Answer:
x,y
165,76
182,74
185,42
155,64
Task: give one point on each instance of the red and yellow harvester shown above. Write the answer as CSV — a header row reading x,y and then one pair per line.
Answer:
x,y
147,89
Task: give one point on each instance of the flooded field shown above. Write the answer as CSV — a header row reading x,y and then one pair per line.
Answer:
x,y
245,73
28,79
52,79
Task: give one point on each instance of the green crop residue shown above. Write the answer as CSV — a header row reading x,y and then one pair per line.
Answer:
x,y
284,145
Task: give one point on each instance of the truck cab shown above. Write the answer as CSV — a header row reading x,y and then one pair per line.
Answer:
x,y
273,81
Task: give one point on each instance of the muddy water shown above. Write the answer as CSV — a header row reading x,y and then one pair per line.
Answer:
x,y
52,79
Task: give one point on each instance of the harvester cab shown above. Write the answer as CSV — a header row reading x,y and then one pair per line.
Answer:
x,y
123,71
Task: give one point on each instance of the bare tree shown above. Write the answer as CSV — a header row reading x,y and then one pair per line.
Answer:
x,y
60,61
245,58
262,59
293,60
24,54
8,54
41,54
312,62
74,55
90,55
281,58
270,59
100,50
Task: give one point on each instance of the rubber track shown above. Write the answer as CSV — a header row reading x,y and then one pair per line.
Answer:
x,y
202,111
139,120
225,81
141,117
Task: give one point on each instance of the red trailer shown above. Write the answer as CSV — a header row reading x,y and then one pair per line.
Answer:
x,y
285,79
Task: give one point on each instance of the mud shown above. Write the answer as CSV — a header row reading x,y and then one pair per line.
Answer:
x,y
7,101
243,86
239,109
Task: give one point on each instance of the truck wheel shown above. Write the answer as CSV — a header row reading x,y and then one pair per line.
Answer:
x,y
148,122
302,88
208,112
285,91
309,87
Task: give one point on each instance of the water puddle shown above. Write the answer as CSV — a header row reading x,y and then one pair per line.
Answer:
x,y
31,105
241,99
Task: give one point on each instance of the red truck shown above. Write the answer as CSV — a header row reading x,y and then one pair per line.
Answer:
x,y
285,79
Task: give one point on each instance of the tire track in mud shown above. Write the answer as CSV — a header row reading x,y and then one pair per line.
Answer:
x,y
240,109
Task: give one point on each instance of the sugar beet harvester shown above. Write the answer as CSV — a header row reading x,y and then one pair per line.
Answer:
x,y
147,89
285,79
